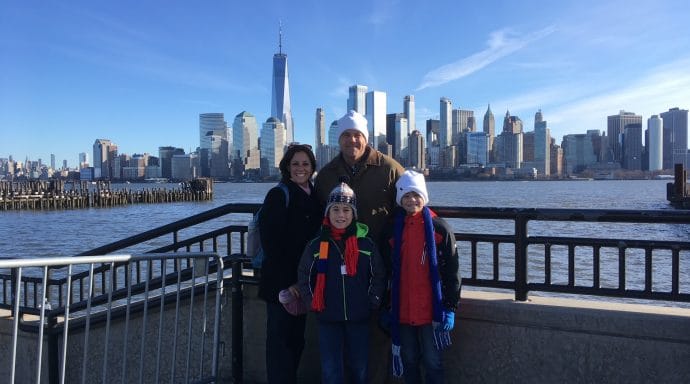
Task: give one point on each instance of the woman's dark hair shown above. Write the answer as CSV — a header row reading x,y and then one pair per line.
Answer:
x,y
284,165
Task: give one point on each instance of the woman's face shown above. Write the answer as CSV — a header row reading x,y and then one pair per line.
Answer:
x,y
300,169
340,215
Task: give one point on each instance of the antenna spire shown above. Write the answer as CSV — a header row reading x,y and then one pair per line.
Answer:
x,y
280,37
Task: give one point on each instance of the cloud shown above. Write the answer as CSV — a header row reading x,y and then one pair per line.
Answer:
x,y
662,88
500,45
577,107
341,90
382,12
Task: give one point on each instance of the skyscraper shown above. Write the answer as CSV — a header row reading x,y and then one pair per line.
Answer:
x,y
245,141
320,127
416,151
397,134
432,133
280,97
333,135
542,143
408,110
578,153
376,117
655,143
614,129
83,160
272,145
632,147
675,146
508,145
477,148
445,134
490,129
166,155
213,131
357,99
211,124
104,151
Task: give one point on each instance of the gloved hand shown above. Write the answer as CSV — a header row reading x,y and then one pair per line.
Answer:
x,y
448,320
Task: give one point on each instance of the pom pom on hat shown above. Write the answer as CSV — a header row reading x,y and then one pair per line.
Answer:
x,y
342,193
353,120
411,181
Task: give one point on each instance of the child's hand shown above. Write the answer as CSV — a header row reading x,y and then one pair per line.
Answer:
x,y
448,320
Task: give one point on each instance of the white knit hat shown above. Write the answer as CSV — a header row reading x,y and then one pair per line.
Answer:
x,y
408,182
353,120
342,193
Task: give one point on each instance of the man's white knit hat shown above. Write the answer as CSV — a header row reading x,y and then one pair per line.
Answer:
x,y
408,182
353,120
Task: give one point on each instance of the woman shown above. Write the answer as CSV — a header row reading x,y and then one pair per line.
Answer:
x,y
285,229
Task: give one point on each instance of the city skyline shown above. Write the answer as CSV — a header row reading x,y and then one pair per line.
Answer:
x,y
105,71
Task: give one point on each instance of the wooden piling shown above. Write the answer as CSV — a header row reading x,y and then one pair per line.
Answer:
x,y
60,194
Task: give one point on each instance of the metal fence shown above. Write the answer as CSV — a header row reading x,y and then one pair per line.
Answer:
x,y
648,265
623,264
115,319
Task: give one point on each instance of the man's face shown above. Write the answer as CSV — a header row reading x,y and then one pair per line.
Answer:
x,y
352,144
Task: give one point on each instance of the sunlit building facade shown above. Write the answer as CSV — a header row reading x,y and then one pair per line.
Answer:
x,y
376,117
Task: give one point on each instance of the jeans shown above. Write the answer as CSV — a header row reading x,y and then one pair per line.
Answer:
x,y
417,345
284,344
339,340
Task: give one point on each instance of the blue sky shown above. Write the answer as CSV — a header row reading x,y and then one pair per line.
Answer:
x,y
140,72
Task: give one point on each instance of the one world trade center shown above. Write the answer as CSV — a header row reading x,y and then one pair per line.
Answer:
x,y
280,98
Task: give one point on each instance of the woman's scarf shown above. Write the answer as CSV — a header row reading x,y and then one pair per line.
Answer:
x,y
351,256
434,278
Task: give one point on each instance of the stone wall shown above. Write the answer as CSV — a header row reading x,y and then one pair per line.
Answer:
x,y
496,339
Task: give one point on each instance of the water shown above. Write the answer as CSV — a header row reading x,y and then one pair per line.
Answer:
x,y
68,232
29,234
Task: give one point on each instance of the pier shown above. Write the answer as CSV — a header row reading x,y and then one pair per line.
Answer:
x,y
678,192
60,194
528,311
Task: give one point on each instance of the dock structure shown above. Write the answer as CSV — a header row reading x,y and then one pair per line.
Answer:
x,y
61,194
678,192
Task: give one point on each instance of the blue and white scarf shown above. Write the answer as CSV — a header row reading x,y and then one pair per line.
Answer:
x,y
441,337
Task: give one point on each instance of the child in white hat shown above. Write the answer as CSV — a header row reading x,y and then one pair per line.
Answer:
x,y
425,288
341,277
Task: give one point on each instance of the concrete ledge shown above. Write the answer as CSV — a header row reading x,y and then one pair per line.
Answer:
x,y
549,340
496,340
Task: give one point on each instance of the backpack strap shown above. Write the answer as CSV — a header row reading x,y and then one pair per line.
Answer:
x,y
284,187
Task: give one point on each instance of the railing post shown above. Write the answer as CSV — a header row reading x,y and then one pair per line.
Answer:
x,y
13,283
237,322
520,257
53,351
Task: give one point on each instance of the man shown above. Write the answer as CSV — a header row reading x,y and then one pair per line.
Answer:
x,y
370,173
372,176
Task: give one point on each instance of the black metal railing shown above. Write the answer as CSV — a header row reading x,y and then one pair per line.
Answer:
x,y
526,255
521,259
512,256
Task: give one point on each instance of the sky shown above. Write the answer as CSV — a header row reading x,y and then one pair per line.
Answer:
x,y
140,72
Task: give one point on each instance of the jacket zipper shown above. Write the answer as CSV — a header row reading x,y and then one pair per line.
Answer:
x,y
342,280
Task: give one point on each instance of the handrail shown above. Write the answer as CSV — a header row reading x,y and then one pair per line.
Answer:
x,y
173,227
230,239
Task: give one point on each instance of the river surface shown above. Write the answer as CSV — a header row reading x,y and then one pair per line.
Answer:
x,y
68,232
